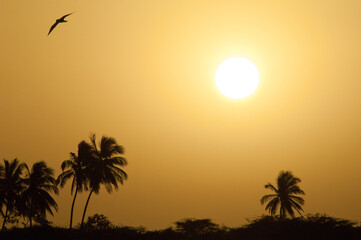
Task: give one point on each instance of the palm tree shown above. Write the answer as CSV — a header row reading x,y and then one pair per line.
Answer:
x,y
11,185
103,167
75,169
285,195
36,199
2,173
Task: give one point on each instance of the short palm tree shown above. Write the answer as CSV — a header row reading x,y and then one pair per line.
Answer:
x,y
36,199
104,166
284,196
75,168
11,185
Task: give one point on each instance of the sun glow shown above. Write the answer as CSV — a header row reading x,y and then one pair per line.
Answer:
x,y
237,77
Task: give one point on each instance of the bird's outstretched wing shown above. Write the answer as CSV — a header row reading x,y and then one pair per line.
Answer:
x,y
62,18
52,27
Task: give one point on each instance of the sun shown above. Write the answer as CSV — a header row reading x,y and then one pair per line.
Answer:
x,y
237,77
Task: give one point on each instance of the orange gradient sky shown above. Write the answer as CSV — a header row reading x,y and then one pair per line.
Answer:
x,y
143,73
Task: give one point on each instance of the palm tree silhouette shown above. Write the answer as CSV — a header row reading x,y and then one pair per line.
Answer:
x,y
35,199
103,167
75,169
12,185
284,195
2,173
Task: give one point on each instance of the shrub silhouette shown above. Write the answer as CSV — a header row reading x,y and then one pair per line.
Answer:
x,y
192,227
310,227
97,222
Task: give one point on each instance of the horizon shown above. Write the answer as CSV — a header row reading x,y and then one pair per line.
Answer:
x,y
144,74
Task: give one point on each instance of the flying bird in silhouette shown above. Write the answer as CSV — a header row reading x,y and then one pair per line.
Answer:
x,y
60,20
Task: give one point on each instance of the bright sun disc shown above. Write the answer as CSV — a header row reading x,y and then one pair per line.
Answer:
x,y
237,77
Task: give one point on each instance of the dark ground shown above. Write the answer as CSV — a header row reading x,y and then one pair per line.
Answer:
x,y
308,228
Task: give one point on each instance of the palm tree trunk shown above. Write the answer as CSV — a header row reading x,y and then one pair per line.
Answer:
x,y
282,213
72,207
30,212
6,215
86,206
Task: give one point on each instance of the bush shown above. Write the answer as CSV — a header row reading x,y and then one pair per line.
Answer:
x,y
97,222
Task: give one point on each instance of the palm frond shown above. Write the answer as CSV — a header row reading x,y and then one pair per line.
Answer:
x,y
270,186
93,142
296,190
67,163
64,177
273,205
116,161
288,208
266,198
50,188
109,147
297,199
296,205
293,181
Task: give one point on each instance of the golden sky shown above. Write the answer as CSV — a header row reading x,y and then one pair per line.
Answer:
x,y
143,72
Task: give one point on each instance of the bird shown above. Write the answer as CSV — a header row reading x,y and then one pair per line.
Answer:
x,y
60,20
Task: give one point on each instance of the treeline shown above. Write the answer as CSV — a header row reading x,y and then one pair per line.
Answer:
x,y
310,227
25,194
25,199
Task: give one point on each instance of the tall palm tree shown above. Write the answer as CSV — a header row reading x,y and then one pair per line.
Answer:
x,y
36,199
285,195
75,168
104,167
12,185
2,173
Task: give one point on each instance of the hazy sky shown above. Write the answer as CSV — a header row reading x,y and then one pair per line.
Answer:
x,y
143,73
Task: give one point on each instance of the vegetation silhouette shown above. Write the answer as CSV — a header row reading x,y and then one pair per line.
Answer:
x,y
195,227
25,193
309,227
75,168
285,195
12,184
97,222
35,200
103,166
